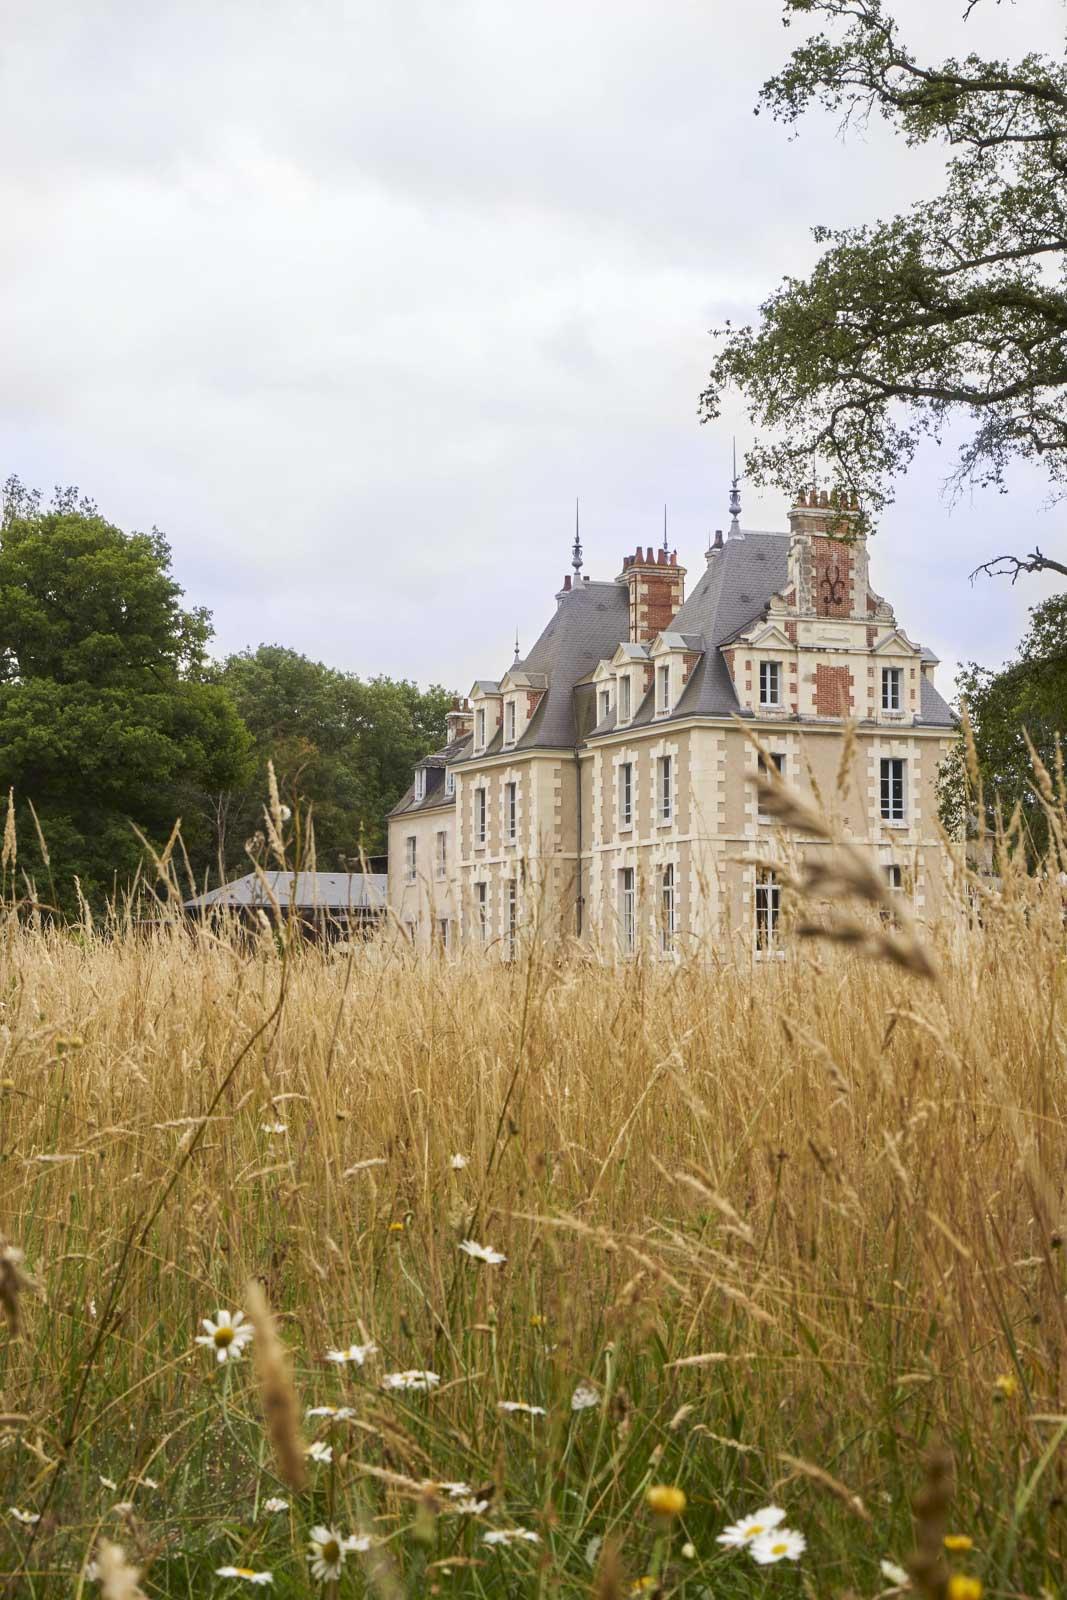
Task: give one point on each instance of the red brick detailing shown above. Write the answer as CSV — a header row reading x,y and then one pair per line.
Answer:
x,y
533,698
689,661
872,604
872,634
791,628
790,597
657,588
832,691
833,578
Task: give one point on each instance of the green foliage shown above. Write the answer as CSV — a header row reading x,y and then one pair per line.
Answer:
x,y
1026,698
957,308
342,745
106,716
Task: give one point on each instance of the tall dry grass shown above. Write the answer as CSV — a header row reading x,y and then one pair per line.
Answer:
x,y
796,1223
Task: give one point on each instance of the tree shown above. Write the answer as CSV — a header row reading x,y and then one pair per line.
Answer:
x,y
957,308
107,717
1027,698
342,745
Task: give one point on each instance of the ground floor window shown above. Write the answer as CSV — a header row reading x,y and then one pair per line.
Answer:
x,y
768,906
481,907
443,932
513,915
627,911
667,922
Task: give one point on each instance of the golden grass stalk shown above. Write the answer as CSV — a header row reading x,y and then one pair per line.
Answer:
x,y
281,1408
119,1580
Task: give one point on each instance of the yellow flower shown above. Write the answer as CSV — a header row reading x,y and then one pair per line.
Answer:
x,y
1006,1387
958,1541
666,1499
537,1321
961,1587
396,1227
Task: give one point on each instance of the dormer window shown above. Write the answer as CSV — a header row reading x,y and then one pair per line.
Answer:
x,y
605,705
892,688
450,782
420,785
770,683
663,689
509,722
479,728
624,697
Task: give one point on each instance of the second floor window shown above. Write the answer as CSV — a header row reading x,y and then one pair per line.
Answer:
x,y
510,811
479,816
442,854
624,698
663,688
479,729
892,789
509,722
770,683
665,788
667,922
442,932
773,762
894,876
626,794
892,688
410,846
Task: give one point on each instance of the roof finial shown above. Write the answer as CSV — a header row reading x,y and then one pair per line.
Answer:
x,y
664,529
576,553
735,503
518,658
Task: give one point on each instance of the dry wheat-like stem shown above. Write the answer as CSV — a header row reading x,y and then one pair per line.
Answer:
x,y
281,1408
119,1580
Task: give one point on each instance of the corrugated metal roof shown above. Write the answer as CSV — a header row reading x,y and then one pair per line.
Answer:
x,y
305,891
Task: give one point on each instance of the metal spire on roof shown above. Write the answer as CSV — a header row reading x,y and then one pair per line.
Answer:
x,y
518,658
576,552
735,503
664,529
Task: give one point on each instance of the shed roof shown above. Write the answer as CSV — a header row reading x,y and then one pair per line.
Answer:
x,y
304,891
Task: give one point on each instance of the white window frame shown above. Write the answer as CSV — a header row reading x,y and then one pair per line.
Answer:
x,y
767,910
779,759
628,910
665,789
893,795
450,782
444,933
625,697
411,858
512,902
481,816
481,907
892,689
420,784
441,853
668,926
509,722
663,689
770,683
894,876
626,794
605,705
511,811
479,728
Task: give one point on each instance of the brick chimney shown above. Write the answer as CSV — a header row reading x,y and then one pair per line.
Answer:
x,y
828,555
656,584
460,720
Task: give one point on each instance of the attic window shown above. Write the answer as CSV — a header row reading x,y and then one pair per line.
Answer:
x,y
420,784
450,782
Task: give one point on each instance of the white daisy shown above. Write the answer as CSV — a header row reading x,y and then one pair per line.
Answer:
x,y
482,1252
410,1380
275,1503
457,1163
273,1127
781,1544
27,1518
246,1573
227,1335
584,1396
522,1405
749,1528
356,1354
327,1550
337,1413
511,1536
469,1507
323,1453
455,1491
894,1574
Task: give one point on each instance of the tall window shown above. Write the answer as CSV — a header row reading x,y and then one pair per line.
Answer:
x,y
479,816
773,762
768,905
441,862
626,793
665,788
410,846
510,811
479,728
420,783
624,697
627,911
450,782
663,688
605,705
481,907
894,876
770,683
509,722
513,915
666,910
442,932
892,789
892,688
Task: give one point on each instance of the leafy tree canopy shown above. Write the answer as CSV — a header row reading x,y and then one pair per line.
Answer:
x,y
957,308
1026,698
106,715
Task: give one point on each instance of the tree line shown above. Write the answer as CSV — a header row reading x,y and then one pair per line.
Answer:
x,y
115,720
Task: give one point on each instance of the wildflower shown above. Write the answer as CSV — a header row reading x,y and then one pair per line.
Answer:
x,y
227,1335
457,1163
323,1453
456,1491
958,1541
327,1550
584,1396
275,1503
336,1413
537,1320
962,1587
521,1405
1006,1387
592,1549
689,1551
894,1574
273,1127
246,1573
782,1544
410,1380
356,1354
109,1483
749,1528
482,1252
469,1507
644,1585
397,1227
511,1536
27,1518
666,1499
148,1483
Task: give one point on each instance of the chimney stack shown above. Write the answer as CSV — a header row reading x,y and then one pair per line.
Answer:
x,y
656,585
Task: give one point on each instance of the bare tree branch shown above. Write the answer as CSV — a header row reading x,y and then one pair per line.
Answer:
x,y
1015,566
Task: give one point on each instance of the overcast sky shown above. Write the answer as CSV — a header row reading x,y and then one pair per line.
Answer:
x,y
353,299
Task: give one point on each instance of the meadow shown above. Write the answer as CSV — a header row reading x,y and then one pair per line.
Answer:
x,y
772,1235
